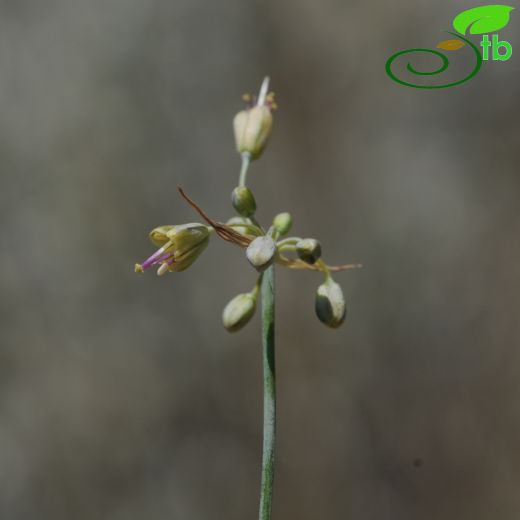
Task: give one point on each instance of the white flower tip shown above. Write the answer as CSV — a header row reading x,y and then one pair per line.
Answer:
x,y
162,269
263,91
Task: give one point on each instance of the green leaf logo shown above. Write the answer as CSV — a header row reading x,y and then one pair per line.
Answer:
x,y
484,19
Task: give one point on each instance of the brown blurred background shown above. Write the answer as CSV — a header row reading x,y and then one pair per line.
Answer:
x,y
122,397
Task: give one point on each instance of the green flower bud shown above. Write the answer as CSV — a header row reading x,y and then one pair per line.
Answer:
x,y
252,129
282,223
239,311
261,252
330,304
309,250
243,201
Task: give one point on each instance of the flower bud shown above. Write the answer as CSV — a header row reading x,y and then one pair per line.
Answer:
x,y
243,201
252,129
261,252
330,304
309,250
238,312
282,223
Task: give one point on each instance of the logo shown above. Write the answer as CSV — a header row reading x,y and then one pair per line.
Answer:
x,y
479,20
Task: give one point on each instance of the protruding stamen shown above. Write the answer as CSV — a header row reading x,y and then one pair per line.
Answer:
x,y
263,91
162,269
270,102
153,259
158,256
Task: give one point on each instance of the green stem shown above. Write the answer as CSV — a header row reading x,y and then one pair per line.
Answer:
x,y
256,288
266,489
324,269
288,241
257,230
256,223
246,161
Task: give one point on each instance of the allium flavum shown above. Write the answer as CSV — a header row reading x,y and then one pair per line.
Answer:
x,y
179,246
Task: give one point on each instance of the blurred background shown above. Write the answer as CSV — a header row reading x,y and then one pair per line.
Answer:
x,y
122,396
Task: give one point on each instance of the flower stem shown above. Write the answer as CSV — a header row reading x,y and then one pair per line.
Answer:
x,y
324,268
266,489
246,161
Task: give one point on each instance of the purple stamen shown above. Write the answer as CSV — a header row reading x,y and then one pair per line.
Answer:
x,y
157,257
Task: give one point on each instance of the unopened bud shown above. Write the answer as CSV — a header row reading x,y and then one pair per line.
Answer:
x,y
282,223
261,252
243,201
330,304
238,312
309,250
252,129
